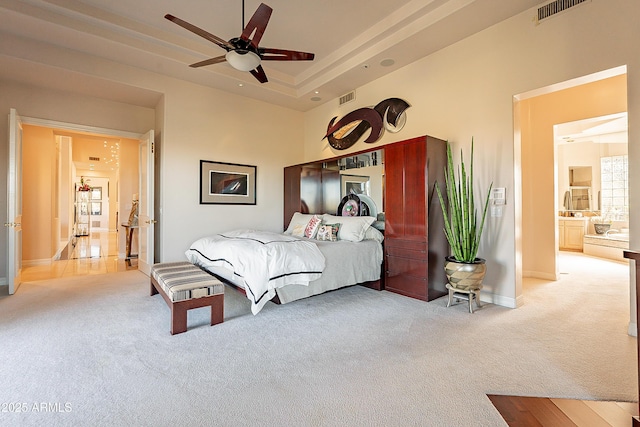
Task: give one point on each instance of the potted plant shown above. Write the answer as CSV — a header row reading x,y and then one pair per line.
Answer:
x,y
601,224
463,229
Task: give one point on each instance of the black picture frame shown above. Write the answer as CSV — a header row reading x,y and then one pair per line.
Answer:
x,y
227,183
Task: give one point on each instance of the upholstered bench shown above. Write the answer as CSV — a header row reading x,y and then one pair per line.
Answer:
x,y
185,286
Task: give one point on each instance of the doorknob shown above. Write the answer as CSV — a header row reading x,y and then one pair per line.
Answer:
x,y
12,224
151,221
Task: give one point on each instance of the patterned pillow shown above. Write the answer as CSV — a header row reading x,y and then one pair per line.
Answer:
x,y
328,232
312,227
352,228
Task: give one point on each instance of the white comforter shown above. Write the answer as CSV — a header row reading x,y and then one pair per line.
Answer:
x,y
263,260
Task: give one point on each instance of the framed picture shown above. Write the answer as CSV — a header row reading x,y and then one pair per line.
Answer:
x,y
227,183
354,184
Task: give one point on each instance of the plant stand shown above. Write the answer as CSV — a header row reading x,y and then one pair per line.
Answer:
x,y
470,295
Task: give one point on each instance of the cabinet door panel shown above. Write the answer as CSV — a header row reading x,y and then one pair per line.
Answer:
x,y
407,253
415,206
407,277
291,193
573,236
394,191
406,266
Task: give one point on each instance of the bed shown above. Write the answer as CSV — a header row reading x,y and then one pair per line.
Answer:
x,y
301,262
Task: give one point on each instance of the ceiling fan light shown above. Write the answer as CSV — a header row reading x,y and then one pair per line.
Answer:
x,y
246,61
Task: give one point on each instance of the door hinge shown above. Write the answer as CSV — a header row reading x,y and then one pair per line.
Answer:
x,y
152,147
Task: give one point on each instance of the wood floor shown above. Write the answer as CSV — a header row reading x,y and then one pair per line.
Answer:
x,y
540,411
93,254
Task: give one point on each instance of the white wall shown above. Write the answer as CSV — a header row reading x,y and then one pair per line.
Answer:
x,y
467,90
204,124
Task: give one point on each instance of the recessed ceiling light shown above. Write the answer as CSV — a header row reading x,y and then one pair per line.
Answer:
x,y
387,62
316,92
240,84
316,98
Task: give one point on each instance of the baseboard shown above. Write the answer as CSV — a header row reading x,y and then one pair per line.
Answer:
x,y
501,300
3,281
540,275
35,262
633,329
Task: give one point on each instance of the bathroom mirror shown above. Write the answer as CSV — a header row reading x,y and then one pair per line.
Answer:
x,y
579,189
580,176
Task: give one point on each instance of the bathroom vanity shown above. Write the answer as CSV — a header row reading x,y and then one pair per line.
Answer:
x,y
571,231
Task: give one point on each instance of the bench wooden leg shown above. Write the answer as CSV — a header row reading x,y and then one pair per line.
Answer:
x,y
179,309
217,310
178,319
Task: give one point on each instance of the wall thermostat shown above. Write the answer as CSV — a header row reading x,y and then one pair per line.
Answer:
x,y
498,196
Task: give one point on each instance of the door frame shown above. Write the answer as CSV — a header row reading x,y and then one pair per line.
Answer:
x,y
74,127
14,201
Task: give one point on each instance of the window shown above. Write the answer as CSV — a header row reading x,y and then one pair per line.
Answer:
x,y
614,195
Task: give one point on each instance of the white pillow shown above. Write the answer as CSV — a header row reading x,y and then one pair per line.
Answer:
x,y
298,220
352,228
373,234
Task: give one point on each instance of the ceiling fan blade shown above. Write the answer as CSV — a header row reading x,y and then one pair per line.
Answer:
x,y
257,23
269,54
202,33
259,74
211,61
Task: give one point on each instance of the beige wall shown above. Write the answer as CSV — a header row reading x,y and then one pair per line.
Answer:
x,y
205,124
38,218
540,206
126,185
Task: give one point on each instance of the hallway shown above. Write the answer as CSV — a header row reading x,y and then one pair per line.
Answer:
x,y
93,254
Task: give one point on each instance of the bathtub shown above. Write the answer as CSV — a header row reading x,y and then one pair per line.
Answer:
x,y
609,245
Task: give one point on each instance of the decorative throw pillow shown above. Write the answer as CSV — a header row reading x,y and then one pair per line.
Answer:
x,y
328,232
352,228
312,227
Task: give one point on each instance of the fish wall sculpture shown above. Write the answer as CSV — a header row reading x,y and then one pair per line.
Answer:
x,y
387,114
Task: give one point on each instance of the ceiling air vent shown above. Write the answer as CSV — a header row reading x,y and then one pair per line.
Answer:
x,y
347,97
94,159
553,8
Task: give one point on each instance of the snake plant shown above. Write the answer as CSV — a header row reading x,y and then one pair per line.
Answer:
x,y
460,215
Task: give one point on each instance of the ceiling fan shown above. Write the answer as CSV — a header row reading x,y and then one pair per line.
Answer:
x,y
243,53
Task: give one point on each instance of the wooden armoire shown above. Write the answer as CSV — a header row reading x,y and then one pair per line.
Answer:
x,y
414,246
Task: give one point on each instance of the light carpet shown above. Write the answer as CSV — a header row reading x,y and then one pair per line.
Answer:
x,y
96,351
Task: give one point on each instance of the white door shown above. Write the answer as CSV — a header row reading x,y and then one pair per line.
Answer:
x,y
14,202
146,221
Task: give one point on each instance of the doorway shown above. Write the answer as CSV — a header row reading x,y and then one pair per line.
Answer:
x,y
108,163
593,186
536,167
537,113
